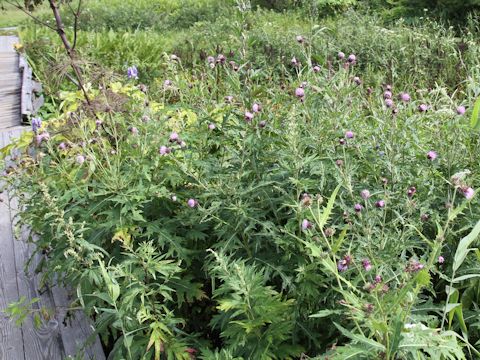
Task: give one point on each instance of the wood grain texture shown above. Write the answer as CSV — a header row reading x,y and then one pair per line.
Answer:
x,y
43,342
75,328
11,337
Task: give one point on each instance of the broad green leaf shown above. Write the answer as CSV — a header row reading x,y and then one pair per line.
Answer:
x,y
462,249
474,123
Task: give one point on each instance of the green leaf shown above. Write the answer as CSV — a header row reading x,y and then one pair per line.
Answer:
x,y
360,338
325,313
474,123
462,249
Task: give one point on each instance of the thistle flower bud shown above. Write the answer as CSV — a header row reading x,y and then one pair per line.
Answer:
x,y
367,266
173,137
306,224
299,92
80,159
422,108
405,97
365,194
192,203
431,155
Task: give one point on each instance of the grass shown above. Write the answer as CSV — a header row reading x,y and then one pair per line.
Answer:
x,y
10,16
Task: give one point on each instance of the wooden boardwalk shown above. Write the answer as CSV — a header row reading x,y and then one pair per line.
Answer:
x,y
63,333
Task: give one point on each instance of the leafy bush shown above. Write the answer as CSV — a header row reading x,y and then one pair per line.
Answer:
x,y
263,209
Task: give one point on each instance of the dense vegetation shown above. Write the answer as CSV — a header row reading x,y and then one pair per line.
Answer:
x,y
258,184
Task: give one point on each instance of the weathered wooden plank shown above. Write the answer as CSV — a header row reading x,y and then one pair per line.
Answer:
x,y
75,328
43,342
7,43
11,337
26,105
10,118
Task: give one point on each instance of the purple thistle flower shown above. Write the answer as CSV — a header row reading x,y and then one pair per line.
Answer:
x,y
316,69
349,134
300,39
262,124
357,80
431,155
306,224
341,266
80,159
378,279
36,124
358,207
389,103
461,110
132,72
248,116
211,60
441,259
294,61
211,126
134,130
164,150
173,137
387,94
380,204
342,141
341,55
228,99
299,92
62,146
405,97
167,83
221,59
422,108
352,58
468,192
256,108
45,136
192,203
365,194
414,266
367,266
98,123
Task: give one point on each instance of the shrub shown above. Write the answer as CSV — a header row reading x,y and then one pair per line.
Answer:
x,y
323,217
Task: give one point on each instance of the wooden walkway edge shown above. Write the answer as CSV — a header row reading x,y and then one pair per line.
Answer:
x,y
61,334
